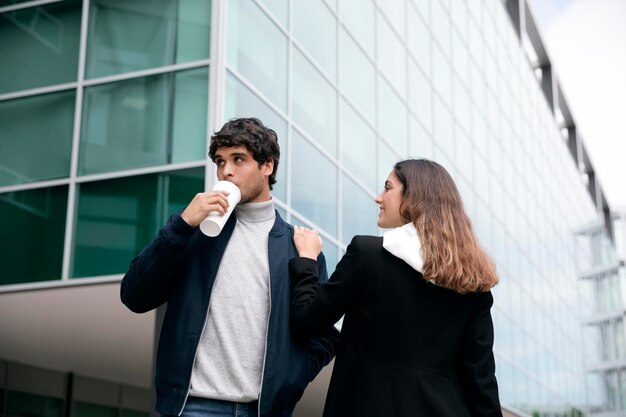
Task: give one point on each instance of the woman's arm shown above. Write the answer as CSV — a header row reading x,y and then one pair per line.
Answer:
x,y
314,307
477,361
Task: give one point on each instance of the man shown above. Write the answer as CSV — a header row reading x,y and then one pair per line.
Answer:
x,y
226,346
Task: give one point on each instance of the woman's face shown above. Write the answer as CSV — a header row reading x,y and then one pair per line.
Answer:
x,y
389,203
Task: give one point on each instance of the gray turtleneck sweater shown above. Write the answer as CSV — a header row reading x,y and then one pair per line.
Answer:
x,y
229,360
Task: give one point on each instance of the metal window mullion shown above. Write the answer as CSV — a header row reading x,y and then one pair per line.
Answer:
x,y
166,69
71,198
289,166
217,82
33,185
138,171
38,91
407,82
338,135
26,5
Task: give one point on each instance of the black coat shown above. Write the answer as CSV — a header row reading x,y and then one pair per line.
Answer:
x,y
407,347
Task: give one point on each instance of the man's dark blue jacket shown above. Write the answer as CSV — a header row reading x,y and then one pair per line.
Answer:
x,y
179,268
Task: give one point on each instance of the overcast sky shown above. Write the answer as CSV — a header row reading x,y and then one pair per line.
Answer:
x,y
586,42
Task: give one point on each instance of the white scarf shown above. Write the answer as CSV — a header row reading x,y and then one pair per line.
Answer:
x,y
405,243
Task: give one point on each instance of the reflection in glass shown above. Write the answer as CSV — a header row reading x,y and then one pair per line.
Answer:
x,y
36,137
241,102
117,218
358,147
314,103
257,49
314,26
134,35
313,185
32,232
357,76
392,115
144,122
43,46
359,211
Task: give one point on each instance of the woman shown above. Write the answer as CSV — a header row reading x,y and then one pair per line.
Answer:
x,y
417,335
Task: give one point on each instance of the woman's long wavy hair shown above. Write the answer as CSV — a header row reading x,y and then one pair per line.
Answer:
x,y
452,255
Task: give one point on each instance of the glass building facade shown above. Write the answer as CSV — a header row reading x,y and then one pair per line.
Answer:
x,y
106,108
602,271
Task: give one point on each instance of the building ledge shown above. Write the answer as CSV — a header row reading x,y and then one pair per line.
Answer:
x,y
605,316
601,271
608,366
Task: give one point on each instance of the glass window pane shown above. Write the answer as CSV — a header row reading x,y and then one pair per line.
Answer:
x,y
418,40
27,404
117,218
394,10
420,96
314,26
279,8
314,185
134,35
133,413
440,26
358,16
358,147
359,211
392,115
391,57
442,76
257,49
82,409
241,102
144,122
314,104
330,253
43,47
36,137
443,128
386,160
32,227
357,76
420,142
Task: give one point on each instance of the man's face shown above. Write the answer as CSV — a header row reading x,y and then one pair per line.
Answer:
x,y
236,164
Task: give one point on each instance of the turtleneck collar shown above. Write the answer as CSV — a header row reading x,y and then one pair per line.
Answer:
x,y
404,242
255,212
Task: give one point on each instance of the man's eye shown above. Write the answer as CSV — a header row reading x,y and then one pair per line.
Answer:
x,y
219,162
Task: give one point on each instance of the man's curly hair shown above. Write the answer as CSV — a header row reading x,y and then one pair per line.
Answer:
x,y
259,140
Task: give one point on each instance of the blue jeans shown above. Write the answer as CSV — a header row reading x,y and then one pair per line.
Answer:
x,y
204,407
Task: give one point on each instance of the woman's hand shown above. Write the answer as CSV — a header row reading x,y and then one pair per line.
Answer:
x,y
307,241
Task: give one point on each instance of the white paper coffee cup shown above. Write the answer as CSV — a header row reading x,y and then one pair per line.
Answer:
x,y
213,224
